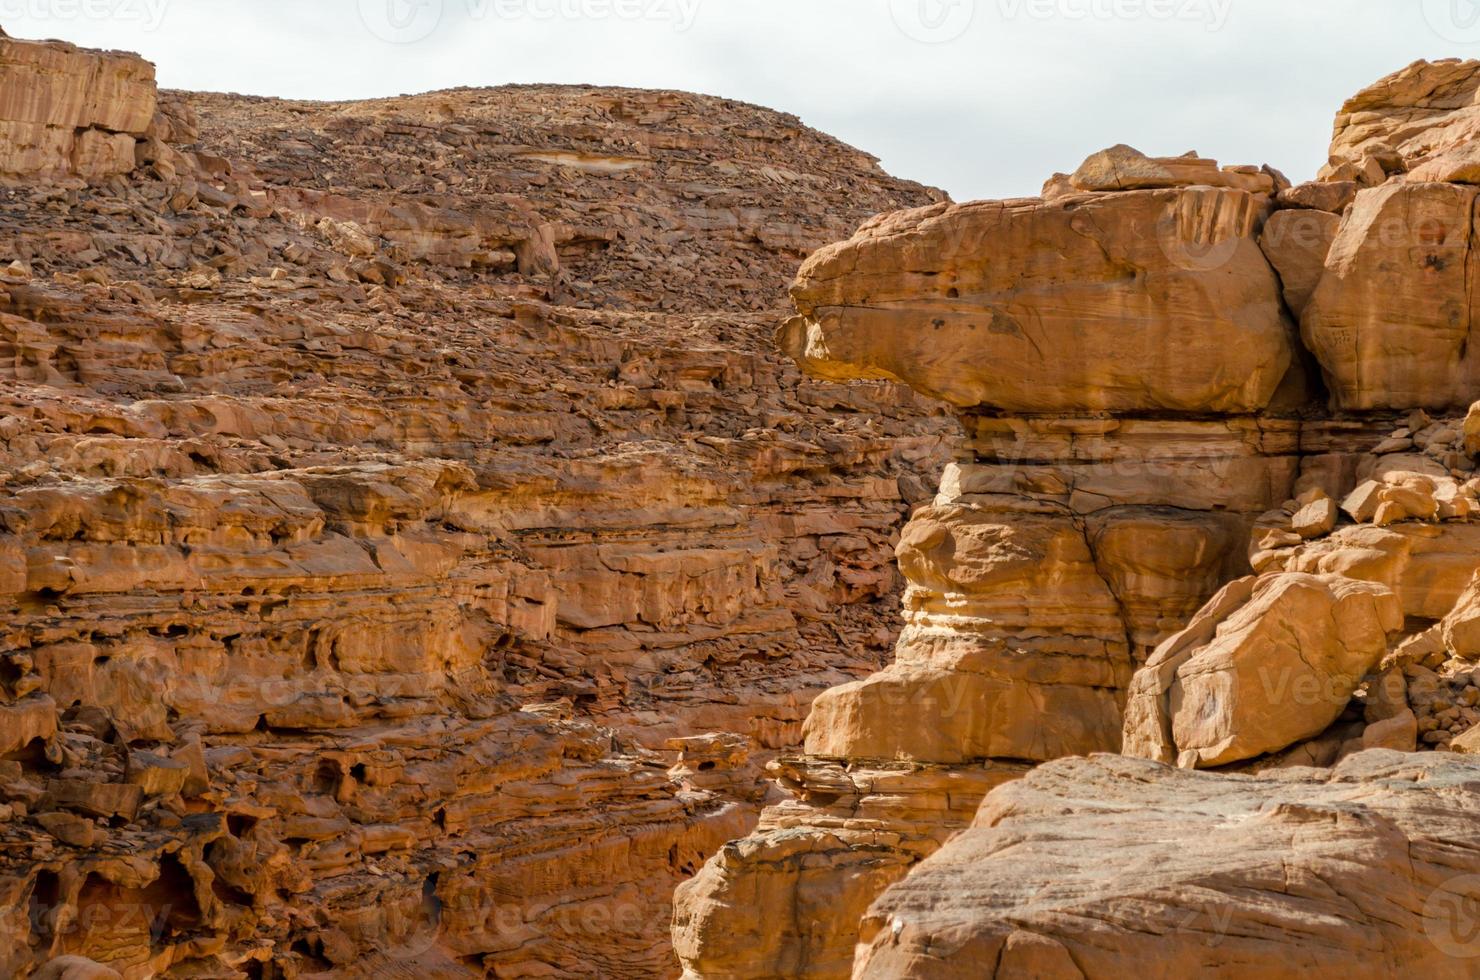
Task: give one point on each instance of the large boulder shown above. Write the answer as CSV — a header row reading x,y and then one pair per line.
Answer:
x,y
1102,868
1268,663
1124,168
1391,320
1145,300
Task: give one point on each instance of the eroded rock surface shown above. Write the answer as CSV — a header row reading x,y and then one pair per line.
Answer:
x,y
66,110
1279,656
411,544
946,297
1109,470
1088,866
1247,543
816,863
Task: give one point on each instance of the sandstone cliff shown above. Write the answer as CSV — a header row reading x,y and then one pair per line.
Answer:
x,y
413,546
64,110
1211,505
410,540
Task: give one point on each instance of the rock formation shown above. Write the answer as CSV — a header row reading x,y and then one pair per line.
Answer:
x,y
1199,512
64,110
411,543
1366,870
1257,640
413,547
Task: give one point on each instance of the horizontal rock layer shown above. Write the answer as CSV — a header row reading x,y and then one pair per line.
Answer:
x,y
973,304
1144,426
69,111
817,861
393,497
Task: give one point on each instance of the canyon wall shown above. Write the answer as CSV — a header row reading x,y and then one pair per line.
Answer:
x,y
416,551
66,110
411,543
1210,505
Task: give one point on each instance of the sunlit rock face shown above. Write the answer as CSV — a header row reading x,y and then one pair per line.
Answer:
x,y
1365,869
971,304
1200,512
412,546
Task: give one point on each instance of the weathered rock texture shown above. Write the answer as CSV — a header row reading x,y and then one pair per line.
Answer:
x,y
1139,327
1091,868
795,890
390,495
1198,511
64,110
1113,460
1249,652
1051,561
412,546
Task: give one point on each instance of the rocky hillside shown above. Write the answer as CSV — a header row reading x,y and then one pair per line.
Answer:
x,y
411,541
1214,505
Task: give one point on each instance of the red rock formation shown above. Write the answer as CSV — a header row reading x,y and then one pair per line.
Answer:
x,y
64,110
391,495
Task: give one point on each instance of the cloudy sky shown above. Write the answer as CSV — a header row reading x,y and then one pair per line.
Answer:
x,y
984,98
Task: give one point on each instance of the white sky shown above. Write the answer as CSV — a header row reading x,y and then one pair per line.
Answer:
x,y
984,98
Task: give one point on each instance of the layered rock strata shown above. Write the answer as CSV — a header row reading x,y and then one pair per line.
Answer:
x,y
1395,524
68,111
411,545
1111,465
1198,511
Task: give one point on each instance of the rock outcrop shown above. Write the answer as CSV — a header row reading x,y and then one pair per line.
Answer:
x,y
1088,866
946,298
1408,122
68,111
1391,317
1116,452
794,891
1198,494
412,546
